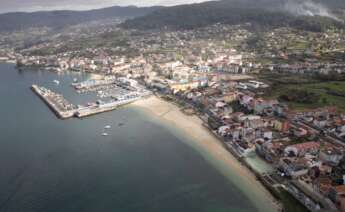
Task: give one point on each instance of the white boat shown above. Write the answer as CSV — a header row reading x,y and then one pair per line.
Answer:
x,y
75,80
107,127
57,82
105,134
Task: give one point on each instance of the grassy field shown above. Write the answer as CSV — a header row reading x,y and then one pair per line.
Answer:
x,y
326,91
331,93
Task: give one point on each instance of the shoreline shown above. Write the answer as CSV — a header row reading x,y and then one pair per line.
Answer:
x,y
191,129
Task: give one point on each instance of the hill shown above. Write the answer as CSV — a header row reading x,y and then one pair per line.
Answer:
x,y
22,20
299,14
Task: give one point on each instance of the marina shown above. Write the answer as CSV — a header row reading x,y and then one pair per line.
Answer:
x,y
55,161
126,92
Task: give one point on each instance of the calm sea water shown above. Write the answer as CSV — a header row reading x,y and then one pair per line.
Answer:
x,y
51,165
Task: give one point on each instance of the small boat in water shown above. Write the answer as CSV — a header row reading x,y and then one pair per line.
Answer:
x,y
105,134
75,80
56,82
107,127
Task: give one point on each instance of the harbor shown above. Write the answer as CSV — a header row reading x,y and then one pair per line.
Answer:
x,y
53,159
113,93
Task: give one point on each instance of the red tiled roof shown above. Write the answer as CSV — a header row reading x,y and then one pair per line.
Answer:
x,y
306,145
340,189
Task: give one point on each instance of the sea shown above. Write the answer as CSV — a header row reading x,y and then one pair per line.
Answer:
x,y
53,165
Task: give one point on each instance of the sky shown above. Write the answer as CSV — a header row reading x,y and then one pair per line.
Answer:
x,y
38,5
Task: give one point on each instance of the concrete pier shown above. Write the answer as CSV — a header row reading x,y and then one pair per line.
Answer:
x,y
93,110
55,102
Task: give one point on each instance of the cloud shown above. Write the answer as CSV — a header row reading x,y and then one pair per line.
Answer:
x,y
37,5
308,8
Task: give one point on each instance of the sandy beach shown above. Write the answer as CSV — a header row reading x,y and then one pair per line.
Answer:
x,y
197,136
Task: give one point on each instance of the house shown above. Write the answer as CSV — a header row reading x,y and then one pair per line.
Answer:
x,y
322,185
220,104
300,132
246,100
230,97
293,167
301,149
341,129
281,125
280,109
236,133
320,123
261,106
184,86
268,134
252,121
270,150
224,130
248,134
237,116
337,194
331,155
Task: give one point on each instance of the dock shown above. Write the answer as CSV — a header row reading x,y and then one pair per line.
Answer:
x,y
93,110
55,102
64,110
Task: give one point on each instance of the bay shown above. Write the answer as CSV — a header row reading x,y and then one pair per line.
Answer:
x,y
47,164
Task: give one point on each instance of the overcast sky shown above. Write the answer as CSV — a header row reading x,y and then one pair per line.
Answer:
x,y
35,5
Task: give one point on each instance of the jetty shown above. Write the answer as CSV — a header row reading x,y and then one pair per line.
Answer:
x,y
56,102
103,107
